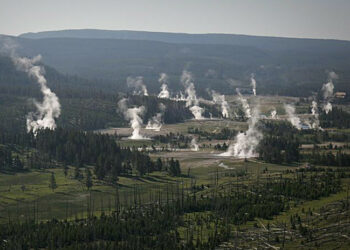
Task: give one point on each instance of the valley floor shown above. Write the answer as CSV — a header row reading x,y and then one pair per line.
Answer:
x,y
27,195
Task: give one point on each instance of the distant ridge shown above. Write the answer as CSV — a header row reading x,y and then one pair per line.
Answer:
x,y
274,43
284,66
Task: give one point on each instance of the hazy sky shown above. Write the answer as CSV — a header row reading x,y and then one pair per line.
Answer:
x,y
289,18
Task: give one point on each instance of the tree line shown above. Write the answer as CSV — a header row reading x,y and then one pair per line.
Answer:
x,y
336,118
81,148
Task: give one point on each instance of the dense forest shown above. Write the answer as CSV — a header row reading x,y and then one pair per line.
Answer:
x,y
280,143
336,118
78,148
337,157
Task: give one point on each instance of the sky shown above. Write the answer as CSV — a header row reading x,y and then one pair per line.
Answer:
x,y
328,19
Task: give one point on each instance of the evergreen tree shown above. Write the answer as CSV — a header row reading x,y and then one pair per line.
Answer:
x,y
114,173
65,170
77,174
159,164
53,184
88,181
17,164
174,167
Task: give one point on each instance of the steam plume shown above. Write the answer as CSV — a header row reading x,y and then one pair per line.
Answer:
x,y
191,99
220,99
273,114
155,122
245,144
138,85
133,115
327,107
194,145
314,111
164,92
197,112
50,108
328,89
292,118
223,165
253,83
187,81
179,97
182,97
244,103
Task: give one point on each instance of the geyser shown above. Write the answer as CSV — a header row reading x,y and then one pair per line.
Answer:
x,y
328,89
292,118
164,92
133,115
194,145
273,114
191,99
245,143
137,84
155,123
253,83
49,108
314,111
220,99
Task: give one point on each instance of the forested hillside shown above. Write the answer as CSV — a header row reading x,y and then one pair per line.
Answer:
x,y
271,43
282,66
85,106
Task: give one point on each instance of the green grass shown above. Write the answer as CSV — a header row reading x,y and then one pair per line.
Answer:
x,y
70,194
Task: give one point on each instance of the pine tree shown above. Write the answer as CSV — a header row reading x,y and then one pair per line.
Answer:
x,y
65,170
159,164
88,181
114,173
77,174
53,184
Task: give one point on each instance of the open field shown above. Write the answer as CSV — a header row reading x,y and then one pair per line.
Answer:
x,y
21,193
206,125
